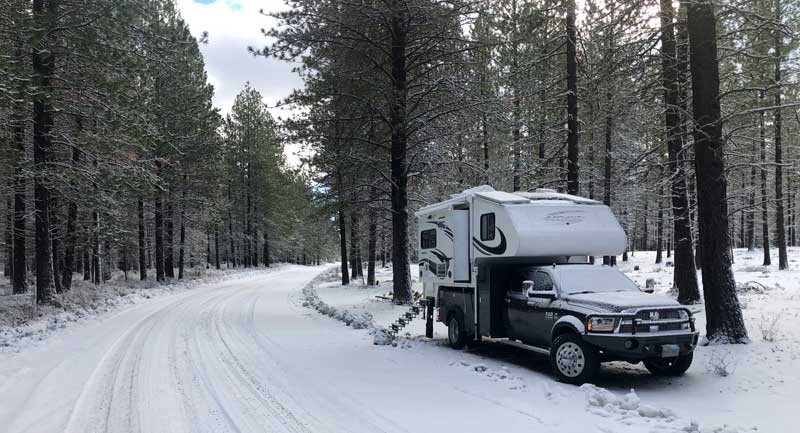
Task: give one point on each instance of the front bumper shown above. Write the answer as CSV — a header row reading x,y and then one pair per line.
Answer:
x,y
640,345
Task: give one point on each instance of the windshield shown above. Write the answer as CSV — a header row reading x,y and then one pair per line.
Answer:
x,y
592,279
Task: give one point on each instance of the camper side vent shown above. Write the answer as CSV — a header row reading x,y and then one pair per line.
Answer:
x,y
441,270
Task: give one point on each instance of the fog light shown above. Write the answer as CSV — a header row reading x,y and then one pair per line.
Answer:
x,y
631,344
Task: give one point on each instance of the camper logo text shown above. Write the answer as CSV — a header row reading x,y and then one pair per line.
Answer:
x,y
565,217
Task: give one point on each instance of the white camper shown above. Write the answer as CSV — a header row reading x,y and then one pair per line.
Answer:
x,y
481,223
515,267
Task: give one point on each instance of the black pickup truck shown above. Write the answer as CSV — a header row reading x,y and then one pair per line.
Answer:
x,y
578,314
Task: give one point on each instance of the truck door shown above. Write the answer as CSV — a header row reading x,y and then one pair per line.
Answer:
x,y
515,316
458,221
539,317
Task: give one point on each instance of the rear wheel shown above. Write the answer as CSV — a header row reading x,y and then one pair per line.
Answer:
x,y
573,361
669,366
455,331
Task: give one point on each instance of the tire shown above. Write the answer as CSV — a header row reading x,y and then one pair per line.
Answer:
x,y
456,334
573,360
669,366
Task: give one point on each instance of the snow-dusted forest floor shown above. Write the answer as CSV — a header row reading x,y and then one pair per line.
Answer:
x,y
245,353
22,324
728,388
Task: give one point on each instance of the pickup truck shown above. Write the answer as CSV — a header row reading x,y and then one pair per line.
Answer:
x,y
580,315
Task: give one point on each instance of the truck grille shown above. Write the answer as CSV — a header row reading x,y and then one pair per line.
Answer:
x,y
653,321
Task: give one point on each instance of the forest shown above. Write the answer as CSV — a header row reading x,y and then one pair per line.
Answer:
x,y
684,117
114,159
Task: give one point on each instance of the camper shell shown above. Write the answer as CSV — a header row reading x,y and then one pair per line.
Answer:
x,y
504,266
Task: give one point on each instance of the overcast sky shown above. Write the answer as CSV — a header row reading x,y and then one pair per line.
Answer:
x,y
232,26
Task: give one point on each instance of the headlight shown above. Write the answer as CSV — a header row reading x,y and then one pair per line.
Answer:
x,y
601,324
684,314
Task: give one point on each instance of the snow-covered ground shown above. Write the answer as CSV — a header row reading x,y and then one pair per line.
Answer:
x,y
22,323
728,388
246,355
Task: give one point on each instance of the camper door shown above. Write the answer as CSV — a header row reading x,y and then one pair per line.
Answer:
x,y
458,221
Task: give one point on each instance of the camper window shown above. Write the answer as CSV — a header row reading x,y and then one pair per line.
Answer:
x,y
428,239
487,227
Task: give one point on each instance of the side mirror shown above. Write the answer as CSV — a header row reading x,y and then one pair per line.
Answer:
x,y
648,290
527,286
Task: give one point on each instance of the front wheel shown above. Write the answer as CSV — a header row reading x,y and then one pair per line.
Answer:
x,y
573,360
455,331
669,366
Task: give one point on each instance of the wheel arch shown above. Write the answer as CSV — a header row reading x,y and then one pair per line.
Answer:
x,y
567,324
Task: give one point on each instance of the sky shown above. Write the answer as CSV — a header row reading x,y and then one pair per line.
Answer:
x,y
232,26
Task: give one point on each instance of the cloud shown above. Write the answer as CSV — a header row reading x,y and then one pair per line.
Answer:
x,y
232,26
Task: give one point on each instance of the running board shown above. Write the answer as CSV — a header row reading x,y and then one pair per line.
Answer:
x,y
538,350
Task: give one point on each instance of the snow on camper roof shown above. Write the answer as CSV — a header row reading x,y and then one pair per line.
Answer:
x,y
488,193
455,199
503,197
549,194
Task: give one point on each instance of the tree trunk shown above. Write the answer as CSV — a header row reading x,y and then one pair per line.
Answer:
x,y
355,243
373,237
182,240
660,226
142,246
159,234
401,275
255,236
780,226
9,258
216,247
96,248
169,239
72,220
106,262
55,233
87,266
645,229
267,261
208,248
43,62
125,259
342,232
232,252
573,185
607,173
723,312
750,231
764,197
19,274
685,273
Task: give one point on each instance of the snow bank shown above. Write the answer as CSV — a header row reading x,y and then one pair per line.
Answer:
x,y
605,403
356,320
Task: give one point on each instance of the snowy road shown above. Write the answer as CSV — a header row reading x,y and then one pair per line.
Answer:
x,y
245,356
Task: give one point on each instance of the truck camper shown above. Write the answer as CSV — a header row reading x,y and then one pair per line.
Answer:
x,y
516,267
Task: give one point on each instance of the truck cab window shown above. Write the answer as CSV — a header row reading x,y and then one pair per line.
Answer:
x,y
487,227
542,282
427,239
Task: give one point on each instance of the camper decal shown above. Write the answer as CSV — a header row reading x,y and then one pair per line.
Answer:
x,y
430,265
566,217
441,256
498,250
443,227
